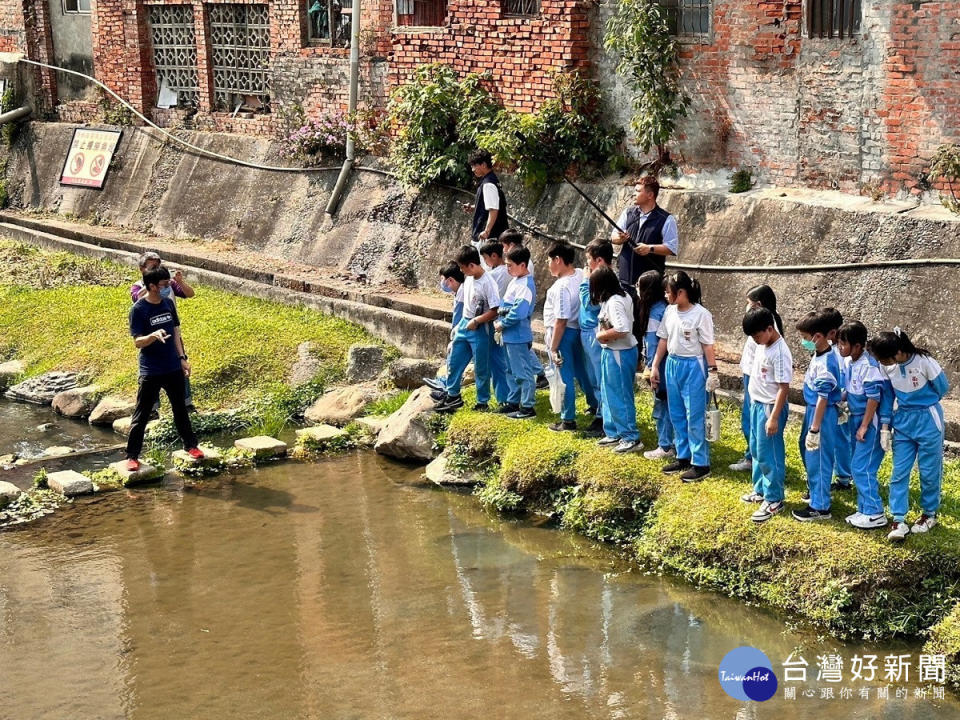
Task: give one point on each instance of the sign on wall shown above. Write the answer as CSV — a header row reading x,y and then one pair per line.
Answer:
x,y
89,157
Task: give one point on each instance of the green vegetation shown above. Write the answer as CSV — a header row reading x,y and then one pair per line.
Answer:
x,y
741,181
388,404
850,582
64,312
945,167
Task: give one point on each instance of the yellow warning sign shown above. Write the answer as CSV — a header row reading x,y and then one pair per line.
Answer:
x,y
89,157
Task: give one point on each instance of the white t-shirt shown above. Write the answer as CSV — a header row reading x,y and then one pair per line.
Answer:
x,y
563,301
618,311
686,332
501,277
479,295
746,357
491,198
772,365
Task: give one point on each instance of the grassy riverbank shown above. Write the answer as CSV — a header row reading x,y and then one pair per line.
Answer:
x,y
59,311
850,582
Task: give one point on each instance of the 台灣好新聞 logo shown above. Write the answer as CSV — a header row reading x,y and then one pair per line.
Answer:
x,y
747,674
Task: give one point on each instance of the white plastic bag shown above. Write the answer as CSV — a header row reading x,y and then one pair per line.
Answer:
x,y
557,388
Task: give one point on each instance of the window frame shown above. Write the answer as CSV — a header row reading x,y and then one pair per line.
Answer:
x,y
690,38
852,31
79,10
505,13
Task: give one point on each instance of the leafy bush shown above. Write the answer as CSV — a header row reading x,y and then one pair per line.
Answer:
x,y
319,137
741,181
946,167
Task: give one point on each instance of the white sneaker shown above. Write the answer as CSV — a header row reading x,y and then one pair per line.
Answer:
x,y
924,524
604,441
869,522
658,453
627,446
752,497
766,511
849,519
899,532
742,465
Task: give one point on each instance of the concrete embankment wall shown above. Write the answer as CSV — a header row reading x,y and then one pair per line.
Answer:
x,y
387,233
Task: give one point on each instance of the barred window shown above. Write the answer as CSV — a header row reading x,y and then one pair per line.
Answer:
x,y
521,7
240,40
833,18
328,22
688,18
421,13
175,51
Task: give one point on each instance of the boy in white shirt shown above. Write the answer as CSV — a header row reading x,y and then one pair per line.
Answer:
x,y
491,257
561,313
770,375
471,340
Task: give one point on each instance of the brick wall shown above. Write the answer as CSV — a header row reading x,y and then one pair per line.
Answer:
x,y
12,34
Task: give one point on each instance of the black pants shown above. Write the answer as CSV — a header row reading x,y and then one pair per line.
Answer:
x,y
147,395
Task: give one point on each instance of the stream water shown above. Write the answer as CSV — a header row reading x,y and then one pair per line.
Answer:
x,y
20,433
348,589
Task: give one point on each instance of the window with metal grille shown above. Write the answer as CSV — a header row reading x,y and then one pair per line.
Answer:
x,y
421,13
689,18
521,7
174,52
328,22
240,41
833,18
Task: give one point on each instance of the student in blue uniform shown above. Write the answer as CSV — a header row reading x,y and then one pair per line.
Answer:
x,y
516,307
844,451
651,307
471,340
818,437
870,399
759,296
599,254
491,255
770,375
451,282
918,383
686,339
618,360
513,240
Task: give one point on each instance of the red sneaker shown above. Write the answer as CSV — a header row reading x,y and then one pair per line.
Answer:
x,y
196,453
133,464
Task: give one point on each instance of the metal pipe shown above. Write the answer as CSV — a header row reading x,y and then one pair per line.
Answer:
x,y
351,110
20,113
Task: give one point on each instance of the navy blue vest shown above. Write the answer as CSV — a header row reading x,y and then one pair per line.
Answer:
x,y
631,266
480,214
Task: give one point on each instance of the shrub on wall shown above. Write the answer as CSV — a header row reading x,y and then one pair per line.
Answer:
x,y
946,168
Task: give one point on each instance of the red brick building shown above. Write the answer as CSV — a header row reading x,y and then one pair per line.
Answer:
x,y
828,93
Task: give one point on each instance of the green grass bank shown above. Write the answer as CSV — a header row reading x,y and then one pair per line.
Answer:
x,y
849,582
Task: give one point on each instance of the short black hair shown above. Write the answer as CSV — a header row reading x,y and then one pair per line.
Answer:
x,y
601,250
604,284
480,157
451,270
757,320
565,252
853,332
832,317
813,323
155,276
492,248
514,237
519,255
468,255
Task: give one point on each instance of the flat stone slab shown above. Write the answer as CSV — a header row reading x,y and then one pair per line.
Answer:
x,y
8,493
261,446
57,450
211,458
320,433
69,483
439,473
41,389
122,426
146,473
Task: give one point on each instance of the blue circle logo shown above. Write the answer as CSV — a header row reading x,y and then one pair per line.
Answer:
x,y
746,674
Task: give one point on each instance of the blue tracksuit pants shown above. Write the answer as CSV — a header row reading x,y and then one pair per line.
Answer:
x,y
661,416
769,455
864,464
917,437
617,370
574,370
521,375
470,345
591,356
498,368
844,453
686,379
819,462
746,417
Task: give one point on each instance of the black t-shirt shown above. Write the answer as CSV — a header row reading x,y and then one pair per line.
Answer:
x,y
157,358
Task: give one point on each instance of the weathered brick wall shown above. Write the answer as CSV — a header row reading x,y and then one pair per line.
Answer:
x,y
521,54
12,34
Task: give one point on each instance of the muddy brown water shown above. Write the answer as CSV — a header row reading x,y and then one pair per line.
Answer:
x,y
19,433
348,589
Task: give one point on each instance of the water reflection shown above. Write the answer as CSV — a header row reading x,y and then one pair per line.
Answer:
x,y
345,590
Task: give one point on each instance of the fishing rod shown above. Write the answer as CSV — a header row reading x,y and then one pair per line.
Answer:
x,y
595,206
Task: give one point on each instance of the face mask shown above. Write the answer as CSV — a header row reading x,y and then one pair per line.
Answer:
x,y
443,286
809,345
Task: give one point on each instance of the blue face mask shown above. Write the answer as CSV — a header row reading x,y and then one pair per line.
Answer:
x,y
444,288
809,345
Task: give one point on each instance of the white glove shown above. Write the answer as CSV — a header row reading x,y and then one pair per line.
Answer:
x,y
498,336
556,359
713,382
813,440
886,438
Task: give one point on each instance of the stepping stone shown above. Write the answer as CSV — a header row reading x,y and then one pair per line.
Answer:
x,y
8,493
146,473
121,426
320,433
261,446
57,450
69,483
211,458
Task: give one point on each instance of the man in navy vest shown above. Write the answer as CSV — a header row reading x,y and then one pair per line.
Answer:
x,y
650,235
490,206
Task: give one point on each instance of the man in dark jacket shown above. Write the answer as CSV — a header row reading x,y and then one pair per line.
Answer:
x,y
490,207
650,235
